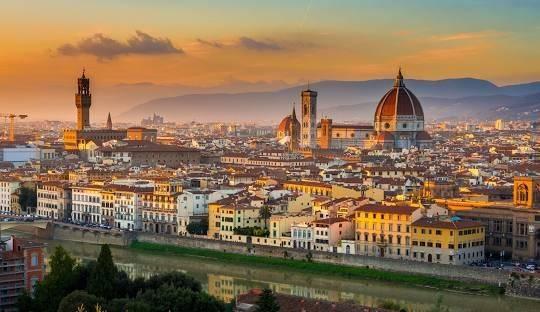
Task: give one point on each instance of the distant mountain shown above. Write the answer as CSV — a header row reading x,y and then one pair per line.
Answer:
x,y
486,107
349,100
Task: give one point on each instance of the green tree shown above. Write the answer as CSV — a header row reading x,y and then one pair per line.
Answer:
x,y
198,228
265,213
27,198
60,281
101,282
267,302
169,298
77,299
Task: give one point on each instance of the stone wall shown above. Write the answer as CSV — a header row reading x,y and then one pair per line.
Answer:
x,y
524,285
91,236
495,277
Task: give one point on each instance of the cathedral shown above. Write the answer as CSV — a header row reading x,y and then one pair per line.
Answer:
x,y
398,124
289,131
78,138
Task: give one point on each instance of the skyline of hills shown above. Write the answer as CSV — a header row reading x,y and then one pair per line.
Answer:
x,y
353,101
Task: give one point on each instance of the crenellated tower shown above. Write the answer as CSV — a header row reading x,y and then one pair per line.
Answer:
x,y
83,101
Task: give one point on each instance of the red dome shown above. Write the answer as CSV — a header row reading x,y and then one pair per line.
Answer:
x,y
399,101
285,124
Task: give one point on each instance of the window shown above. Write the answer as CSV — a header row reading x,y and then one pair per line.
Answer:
x,y
522,193
438,232
34,260
438,245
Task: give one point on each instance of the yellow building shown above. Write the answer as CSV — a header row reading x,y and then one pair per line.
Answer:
x,y
447,240
527,192
238,215
229,213
309,187
384,231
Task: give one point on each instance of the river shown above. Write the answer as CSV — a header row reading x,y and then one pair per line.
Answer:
x,y
225,280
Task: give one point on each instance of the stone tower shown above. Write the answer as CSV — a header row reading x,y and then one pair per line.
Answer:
x,y
83,101
309,119
109,122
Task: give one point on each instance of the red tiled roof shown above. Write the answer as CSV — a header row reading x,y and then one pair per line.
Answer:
x,y
377,208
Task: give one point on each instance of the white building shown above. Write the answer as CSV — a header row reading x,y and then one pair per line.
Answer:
x,y
194,203
86,204
302,236
127,207
19,154
8,186
54,200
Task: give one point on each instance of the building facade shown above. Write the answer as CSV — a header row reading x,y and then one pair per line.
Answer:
x,y
54,200
22,265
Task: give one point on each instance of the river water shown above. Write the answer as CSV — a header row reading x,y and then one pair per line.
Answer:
x,y
225,280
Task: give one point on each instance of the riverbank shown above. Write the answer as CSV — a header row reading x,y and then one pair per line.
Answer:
x,y
322,268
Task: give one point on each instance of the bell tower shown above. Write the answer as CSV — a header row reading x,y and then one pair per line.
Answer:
x,y
83,101
309,119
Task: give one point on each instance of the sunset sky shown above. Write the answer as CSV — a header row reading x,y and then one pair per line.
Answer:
x,y
45,44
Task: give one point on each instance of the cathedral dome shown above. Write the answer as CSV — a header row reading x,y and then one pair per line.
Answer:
x,y
285,124
399,103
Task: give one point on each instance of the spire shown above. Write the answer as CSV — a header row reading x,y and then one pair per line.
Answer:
x,y
109,122
294,111
83,70
399,79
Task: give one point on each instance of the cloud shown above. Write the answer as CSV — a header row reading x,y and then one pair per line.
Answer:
x,y
104,47
252,44
467,36
214,44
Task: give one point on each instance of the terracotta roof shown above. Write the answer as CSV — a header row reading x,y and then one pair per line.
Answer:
x,y
377,208
452,223
330,221
399,101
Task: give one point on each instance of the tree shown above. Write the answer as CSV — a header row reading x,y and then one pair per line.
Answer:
x,y
79,300
101,282
198,228
27,198
265,213
267,302
169,298
175,279
60,281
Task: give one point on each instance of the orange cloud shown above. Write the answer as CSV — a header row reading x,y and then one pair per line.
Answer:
x,y
468,35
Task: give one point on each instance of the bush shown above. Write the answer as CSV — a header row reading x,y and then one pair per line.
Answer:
x,y
77,299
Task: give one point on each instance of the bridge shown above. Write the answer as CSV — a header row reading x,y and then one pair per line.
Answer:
x,y
6,225
39,228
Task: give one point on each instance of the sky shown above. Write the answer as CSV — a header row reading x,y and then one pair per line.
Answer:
x,y
45,44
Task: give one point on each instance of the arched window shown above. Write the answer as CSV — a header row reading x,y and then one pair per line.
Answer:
x,y
523,193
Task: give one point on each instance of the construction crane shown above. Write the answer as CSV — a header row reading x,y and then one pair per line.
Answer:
x,y
11,117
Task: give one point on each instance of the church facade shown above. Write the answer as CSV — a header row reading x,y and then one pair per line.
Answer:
x,y
398,123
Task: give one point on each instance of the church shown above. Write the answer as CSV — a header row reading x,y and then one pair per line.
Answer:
x,y
77,139
398,124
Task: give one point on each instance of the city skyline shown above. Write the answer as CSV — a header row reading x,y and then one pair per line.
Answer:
x,y
259,46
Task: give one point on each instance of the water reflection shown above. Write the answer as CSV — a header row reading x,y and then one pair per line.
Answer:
x,y
225,281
